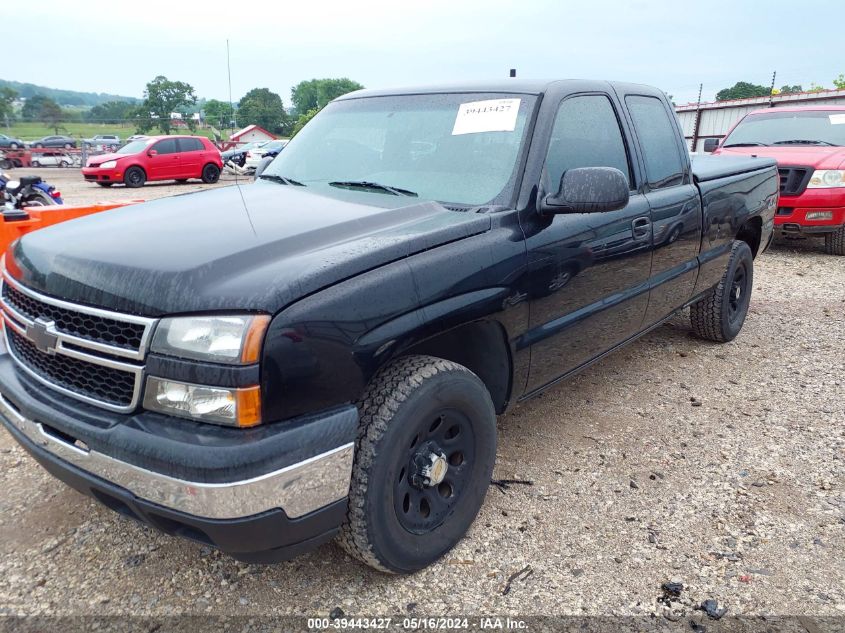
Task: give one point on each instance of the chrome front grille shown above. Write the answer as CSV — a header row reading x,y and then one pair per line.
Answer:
x,y
90,354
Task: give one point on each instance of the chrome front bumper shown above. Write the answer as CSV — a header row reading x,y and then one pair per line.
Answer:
x,y
297,489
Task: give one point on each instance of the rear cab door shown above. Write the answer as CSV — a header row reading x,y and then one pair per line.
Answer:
x,y
672,196
190,157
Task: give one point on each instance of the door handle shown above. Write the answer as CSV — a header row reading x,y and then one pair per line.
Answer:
x,y
641,227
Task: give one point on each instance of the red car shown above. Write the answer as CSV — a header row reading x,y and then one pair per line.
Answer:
x,y
808,144
156,158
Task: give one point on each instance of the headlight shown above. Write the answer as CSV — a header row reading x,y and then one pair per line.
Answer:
x,y
826,178
232,407
109,164
234,340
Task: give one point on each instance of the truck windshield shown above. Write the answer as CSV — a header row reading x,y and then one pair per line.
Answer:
x,y
454,148
808,127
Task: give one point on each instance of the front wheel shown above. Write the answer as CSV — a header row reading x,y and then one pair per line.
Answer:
x,y
35,163
210,174
134,177
423,461
834,243
720,314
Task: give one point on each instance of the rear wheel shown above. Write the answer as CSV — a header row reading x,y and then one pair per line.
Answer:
x,y
35,163
37,199
68,145
720,314
210,174
64,163
424,457
13,146
134,177
834,243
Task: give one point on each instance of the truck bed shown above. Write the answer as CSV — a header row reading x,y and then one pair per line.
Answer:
x,y
706,167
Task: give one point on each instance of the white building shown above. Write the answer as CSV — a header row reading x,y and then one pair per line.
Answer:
x,y
715,119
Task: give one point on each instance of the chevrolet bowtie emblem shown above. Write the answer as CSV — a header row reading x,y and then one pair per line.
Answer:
x,y
40,335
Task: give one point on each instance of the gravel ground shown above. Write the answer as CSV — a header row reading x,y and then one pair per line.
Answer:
x,y
718,466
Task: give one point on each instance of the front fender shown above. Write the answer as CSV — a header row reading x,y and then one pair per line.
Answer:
x,y
322,350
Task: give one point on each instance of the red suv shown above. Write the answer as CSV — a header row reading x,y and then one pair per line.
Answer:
x,y
156,158
808,144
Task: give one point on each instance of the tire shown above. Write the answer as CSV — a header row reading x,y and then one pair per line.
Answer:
x,y
210,174
105,184
35,163
13,146
134,177
720,314
64,163
414,408
68,145
39,145
834,243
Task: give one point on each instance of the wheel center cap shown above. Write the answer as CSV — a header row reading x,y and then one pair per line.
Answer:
x,y
430,468
437,471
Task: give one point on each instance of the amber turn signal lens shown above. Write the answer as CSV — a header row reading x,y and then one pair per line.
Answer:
x,y
249,406
251,352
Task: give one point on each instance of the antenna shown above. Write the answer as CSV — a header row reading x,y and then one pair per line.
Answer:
x,y
231,104
772,90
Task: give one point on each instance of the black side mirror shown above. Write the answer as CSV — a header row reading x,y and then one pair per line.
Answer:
x,y
710,144
588,190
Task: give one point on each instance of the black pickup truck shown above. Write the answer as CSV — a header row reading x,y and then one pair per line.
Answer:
x,y
323,353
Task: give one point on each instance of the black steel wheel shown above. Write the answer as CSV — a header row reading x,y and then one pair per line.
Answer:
x,y
210,174
434,472
134,177
720,314
423,462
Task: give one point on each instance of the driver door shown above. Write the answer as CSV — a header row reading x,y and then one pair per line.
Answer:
x,y
165,163
589,271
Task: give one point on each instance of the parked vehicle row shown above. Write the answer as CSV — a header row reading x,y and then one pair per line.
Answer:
x,y
323,353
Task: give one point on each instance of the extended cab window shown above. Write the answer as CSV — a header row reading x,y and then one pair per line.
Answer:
x,y
190,145
586,134
167,146
658,140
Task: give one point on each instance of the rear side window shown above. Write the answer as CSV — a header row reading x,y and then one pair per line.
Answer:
x,y
167,146
586,134
658,140
190,145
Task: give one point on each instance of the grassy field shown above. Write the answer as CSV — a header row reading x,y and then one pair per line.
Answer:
x,y
35,130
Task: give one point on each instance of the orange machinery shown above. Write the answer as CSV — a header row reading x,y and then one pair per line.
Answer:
x,y
39,217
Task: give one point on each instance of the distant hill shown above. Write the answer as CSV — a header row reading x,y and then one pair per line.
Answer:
x,y
64,97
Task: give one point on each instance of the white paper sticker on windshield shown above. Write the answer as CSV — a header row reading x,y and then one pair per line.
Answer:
x,y
837,119
493,115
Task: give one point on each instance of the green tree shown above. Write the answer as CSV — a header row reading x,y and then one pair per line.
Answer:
x,y
316,93
161,98
303,119
261,106
742,90
791,90
51,114
218,113
7,107
110,112
31,110
839,82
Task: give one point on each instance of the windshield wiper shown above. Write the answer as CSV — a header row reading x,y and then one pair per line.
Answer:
x,y
800,141
366,184
749,144
281,180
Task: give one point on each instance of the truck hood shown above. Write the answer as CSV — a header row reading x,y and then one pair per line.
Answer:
x,y
254,247
816,156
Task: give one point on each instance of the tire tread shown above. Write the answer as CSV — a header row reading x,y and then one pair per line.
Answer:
x,y
382,398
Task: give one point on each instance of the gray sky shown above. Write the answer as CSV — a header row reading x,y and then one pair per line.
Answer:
x,y
117,47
